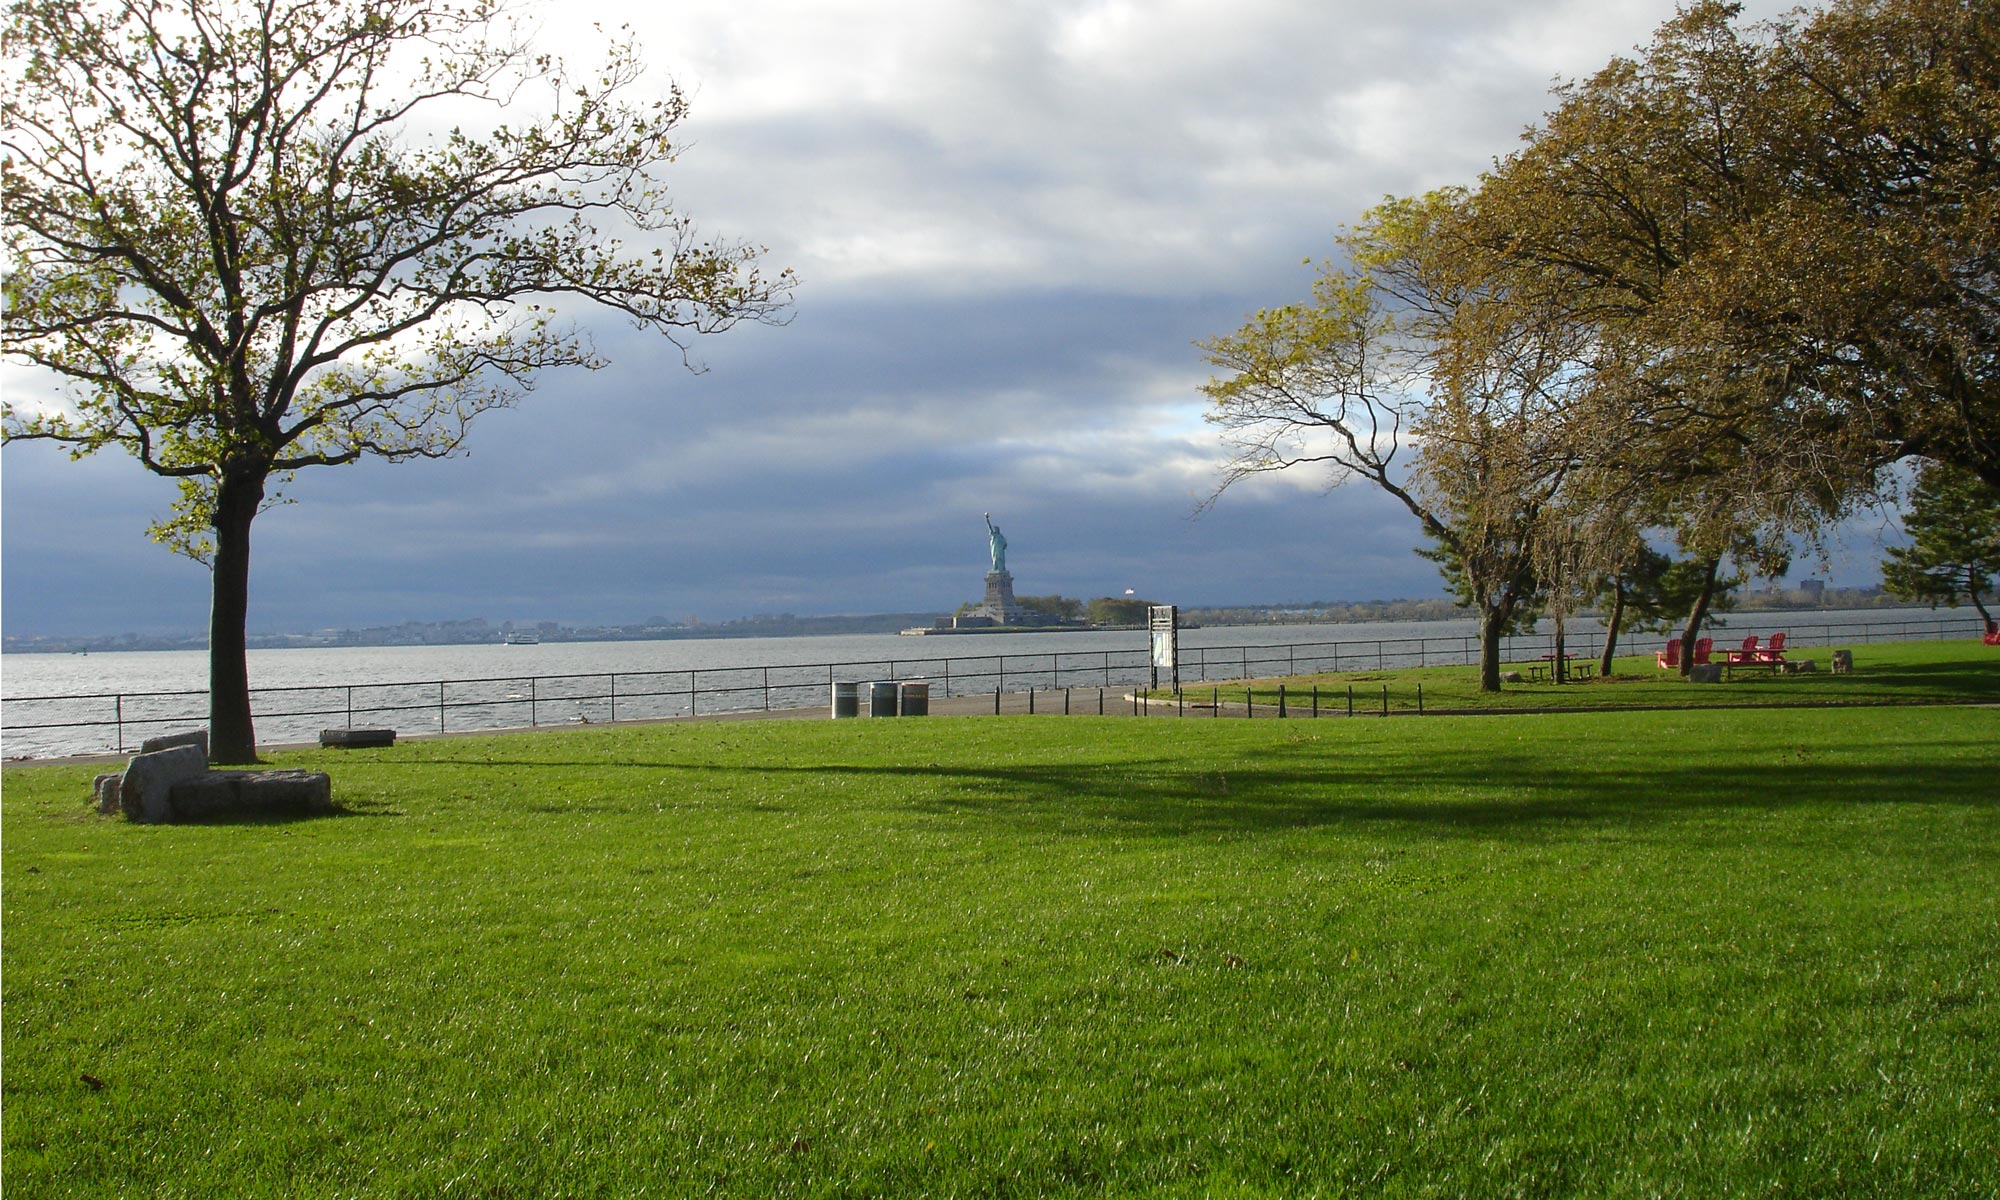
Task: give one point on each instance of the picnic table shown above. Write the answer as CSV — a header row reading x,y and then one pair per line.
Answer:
x,y
1576,667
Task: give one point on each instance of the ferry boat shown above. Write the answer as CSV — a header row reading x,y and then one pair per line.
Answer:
x,y
523,639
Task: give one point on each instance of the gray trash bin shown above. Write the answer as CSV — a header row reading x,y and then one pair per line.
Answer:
x,y
917,699
846,700
882,698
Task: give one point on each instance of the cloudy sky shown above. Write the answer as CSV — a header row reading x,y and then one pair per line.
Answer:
x,y
1010,219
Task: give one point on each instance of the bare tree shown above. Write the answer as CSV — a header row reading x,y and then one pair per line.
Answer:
x,y
249,239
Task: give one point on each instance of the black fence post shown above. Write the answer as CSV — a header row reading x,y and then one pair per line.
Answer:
x,y
1350,699
996,701
1385,699
1315,702
1420,699
1281,701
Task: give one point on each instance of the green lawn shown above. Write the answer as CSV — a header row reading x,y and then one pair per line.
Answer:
x,y
1696,953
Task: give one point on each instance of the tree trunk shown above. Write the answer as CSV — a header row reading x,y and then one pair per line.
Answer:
x,y
231,735
1611,624
1491,622
1560,671
1698,614
1972,575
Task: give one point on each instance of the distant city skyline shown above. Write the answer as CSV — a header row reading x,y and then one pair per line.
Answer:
x,y
1010,223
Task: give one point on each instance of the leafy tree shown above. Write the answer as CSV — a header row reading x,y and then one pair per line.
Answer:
x,y
1416,371
1876,271
248,239
1953,522
1119,610
1060,607
1647,590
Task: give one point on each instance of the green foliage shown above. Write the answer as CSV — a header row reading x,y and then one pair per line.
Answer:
x,y
1119,610
1032,956
1060,607
1658,591
1953,522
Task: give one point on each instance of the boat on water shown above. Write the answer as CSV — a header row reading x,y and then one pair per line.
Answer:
x,y
523,639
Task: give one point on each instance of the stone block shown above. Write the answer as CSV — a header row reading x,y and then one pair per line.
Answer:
x,y
224,794
168,741
1510,677
146,791
357,739
1705,673
107,791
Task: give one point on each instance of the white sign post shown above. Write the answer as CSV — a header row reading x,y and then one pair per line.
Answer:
x,y
1163,622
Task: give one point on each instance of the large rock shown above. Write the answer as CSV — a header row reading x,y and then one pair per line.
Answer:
x,y
168,741
222,794
146,793
1705,673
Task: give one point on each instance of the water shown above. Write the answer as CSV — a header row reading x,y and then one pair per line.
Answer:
x,y
114,700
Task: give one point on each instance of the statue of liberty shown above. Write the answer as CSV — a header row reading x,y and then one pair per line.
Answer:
x,y
996,545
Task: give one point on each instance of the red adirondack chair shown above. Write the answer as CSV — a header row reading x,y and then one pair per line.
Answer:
x,y
1748,653
1774,650
1671,656
1701,648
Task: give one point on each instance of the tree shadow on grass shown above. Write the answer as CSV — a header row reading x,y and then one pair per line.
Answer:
x,y
1495,793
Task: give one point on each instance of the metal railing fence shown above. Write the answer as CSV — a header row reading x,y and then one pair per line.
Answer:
x,y
40,726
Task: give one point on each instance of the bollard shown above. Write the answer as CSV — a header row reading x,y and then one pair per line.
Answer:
x,y
1315,702
1420,699
1385,699
1281,701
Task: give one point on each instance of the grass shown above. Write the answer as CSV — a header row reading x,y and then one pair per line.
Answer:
x,y
1693,953
1889,673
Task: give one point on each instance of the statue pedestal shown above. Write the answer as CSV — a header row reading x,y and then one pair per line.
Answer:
x,y
1000,603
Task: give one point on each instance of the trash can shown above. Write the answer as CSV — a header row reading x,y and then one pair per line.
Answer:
x,y
882,698
917,699
846,700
